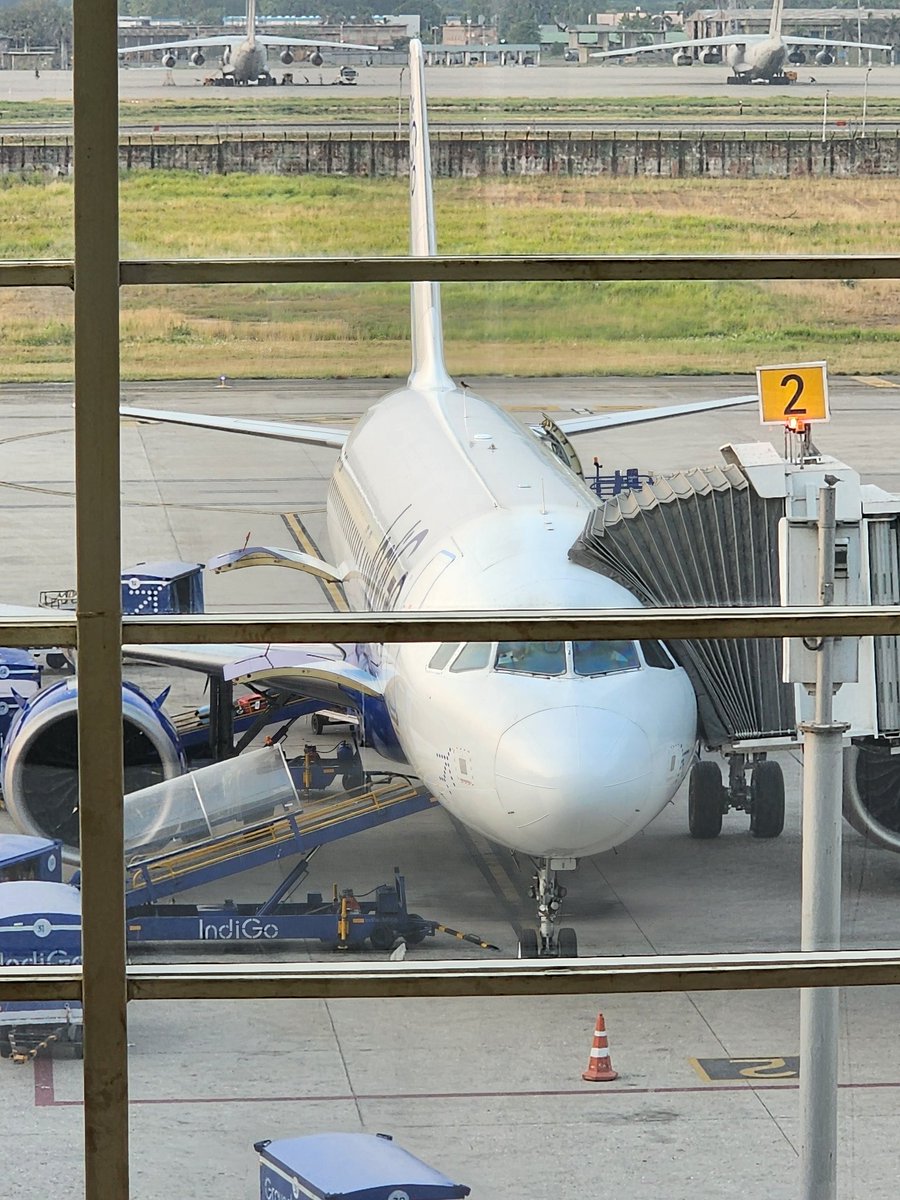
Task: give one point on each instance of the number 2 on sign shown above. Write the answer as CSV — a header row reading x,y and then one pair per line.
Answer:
x,y
793,392
791,409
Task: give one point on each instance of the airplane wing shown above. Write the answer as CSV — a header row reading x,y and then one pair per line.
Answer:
x,y
310,435
319,672
293,669
637,416
267,40
273,556
235,39
728,39
790,40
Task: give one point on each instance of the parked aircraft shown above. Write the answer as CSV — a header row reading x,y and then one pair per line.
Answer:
x,y
246,63
440,500
750,56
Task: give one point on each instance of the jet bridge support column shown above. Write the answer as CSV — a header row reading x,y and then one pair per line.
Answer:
x,y
821,898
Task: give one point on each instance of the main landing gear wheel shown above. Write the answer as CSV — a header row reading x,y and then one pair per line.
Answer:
x,y
318,724
766,800
567,941
705,800
528,943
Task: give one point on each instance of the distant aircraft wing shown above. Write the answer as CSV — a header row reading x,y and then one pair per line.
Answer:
x,y
310,435
637,416
235,39
790,40
728,39
293,41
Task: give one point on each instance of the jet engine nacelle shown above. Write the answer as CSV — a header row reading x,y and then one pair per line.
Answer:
x,y
316,58
286,57
39,764
711,56
169,60
825,58
197,58
797,58
872,792
681,58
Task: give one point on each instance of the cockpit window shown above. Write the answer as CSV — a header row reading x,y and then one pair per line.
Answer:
x,y
442,655
473,657
603,658
531,658
656,655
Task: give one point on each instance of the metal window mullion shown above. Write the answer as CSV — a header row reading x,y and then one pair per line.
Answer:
x,y
98,541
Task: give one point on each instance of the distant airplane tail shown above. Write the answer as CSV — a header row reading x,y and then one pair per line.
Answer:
x,y
428,370
775,22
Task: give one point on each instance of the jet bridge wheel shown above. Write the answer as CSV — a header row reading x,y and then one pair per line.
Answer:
x,y
766,800
706,800
528,944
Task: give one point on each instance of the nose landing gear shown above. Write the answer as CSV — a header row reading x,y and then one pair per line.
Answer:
x,y
547,941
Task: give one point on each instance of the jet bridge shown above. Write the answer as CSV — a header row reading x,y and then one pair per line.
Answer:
x,y
745,533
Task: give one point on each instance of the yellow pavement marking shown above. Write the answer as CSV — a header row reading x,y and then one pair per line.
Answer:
x,y
333,592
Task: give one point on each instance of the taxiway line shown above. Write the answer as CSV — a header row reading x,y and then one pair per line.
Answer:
x,y
334,594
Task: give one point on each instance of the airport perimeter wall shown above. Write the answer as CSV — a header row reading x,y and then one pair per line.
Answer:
x,y
471,155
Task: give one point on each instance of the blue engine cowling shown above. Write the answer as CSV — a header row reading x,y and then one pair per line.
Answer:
x,y
39,764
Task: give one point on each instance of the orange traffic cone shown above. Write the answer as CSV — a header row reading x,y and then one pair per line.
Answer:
x,y
599,1068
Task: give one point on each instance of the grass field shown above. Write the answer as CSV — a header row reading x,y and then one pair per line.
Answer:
x,y
505,328
296,105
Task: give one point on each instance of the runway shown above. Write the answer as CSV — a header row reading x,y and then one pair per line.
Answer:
x,y
595,80
490,1091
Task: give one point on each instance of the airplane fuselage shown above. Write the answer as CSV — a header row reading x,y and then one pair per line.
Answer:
x,y
757,60
477,514
247,63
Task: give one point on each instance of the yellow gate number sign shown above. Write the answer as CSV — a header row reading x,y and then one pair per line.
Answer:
x,y
793,394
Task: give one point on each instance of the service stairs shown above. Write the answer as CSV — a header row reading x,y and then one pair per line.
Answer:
x,y
285,834
703,537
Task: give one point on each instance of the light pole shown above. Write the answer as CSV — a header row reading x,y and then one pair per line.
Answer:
x,y
824,114
865,99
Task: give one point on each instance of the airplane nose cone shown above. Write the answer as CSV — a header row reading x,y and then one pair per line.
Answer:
x,y
574,779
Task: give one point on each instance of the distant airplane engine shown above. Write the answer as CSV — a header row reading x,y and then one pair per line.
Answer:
x,y
40,758
197,58
169,59
796,57
286,57
681,58
872,792
711,56
825,58
316,58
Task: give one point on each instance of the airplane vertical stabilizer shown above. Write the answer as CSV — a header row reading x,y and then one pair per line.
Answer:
x,y
428,370
251,21
777,14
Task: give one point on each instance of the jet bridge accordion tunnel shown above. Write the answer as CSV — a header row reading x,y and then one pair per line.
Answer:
x,y
707,537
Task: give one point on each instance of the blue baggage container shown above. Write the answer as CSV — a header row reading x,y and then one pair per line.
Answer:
x,y
348,1166
24,857
40,924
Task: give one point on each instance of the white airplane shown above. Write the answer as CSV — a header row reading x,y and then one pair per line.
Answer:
x,y
440,500
750,56
248,62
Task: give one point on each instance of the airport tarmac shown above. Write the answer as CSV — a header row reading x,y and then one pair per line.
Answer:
x,y
488,1091
491,82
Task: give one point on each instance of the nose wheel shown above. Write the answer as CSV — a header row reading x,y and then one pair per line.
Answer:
x,y
547,941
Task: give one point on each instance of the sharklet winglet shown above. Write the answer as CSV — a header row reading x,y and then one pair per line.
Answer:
x,y
428,370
